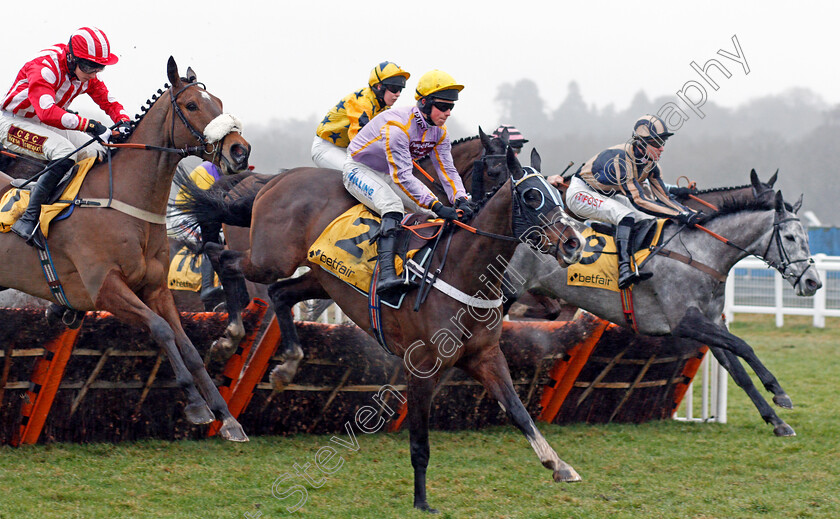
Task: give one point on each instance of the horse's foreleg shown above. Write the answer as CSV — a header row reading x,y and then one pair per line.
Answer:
x,y
115,297
284,295
163,303
736,370
226,265
420,392
694,325
491,370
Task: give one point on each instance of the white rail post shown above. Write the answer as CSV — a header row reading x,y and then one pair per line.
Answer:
x,y
729,298
820,300
779,299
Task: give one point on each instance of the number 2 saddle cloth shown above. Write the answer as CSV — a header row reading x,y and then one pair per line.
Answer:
x,y
347,247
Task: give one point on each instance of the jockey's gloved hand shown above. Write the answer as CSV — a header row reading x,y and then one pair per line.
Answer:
x,y
442,211
123,130
98,130
682,191
689,218
465,205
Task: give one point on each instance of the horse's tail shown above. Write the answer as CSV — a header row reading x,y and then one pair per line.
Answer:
x,y
214,206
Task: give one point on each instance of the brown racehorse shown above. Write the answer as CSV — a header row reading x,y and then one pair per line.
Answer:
x,y
291,211
113,261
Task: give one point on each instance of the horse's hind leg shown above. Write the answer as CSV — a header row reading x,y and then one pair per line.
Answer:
x,y
117,298
284,295
226,265
732,365
491,369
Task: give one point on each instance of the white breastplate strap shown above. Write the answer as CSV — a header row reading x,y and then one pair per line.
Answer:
x,y
122,207
453,292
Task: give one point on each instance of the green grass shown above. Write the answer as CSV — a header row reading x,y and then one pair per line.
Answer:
x,y
665,469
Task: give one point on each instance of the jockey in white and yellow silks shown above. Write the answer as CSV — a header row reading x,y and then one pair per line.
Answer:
x,y
354,111
623,184
379,169
34,119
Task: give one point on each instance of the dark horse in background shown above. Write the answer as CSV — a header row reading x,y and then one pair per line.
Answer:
x,y
117,262
445,332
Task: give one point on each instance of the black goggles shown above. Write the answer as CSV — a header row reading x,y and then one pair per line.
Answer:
x,y
89,67
443,106
394,89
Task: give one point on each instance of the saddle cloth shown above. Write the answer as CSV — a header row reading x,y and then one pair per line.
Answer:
x,y
345,250
599,265
14,201
185,271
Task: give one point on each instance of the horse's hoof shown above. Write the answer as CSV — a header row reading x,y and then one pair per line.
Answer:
x,y
783,401
232,431
222,349
199,413
566,475
784,429
426,508
282,374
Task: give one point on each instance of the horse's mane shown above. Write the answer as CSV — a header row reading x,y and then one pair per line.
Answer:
x,y
481,203
732,206
149,102
464,139
719,189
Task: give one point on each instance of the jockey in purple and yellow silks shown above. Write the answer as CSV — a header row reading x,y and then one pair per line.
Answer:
x,y
623,184
354,111
378,169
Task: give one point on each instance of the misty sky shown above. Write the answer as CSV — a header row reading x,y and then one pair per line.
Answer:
x,y
283,60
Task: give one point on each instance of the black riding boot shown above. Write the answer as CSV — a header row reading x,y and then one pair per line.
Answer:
x,y
388,279
27,225
626,276
210,294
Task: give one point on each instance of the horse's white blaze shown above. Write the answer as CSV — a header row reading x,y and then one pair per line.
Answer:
x,y
221,126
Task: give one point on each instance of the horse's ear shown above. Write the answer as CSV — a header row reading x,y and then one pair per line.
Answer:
x,y
191,77
505,136
756,183
485,139
798,205
773,178
172,72
780,202
513,164
536,160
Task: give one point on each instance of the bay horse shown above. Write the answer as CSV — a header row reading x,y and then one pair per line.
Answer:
x,y
444,332
110,260
687,301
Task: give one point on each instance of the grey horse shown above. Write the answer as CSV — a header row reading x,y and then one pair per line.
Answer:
x,y
683,301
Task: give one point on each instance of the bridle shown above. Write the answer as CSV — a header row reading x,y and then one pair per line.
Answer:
x,y
477,187
213,149
776,237
529,223
785,262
